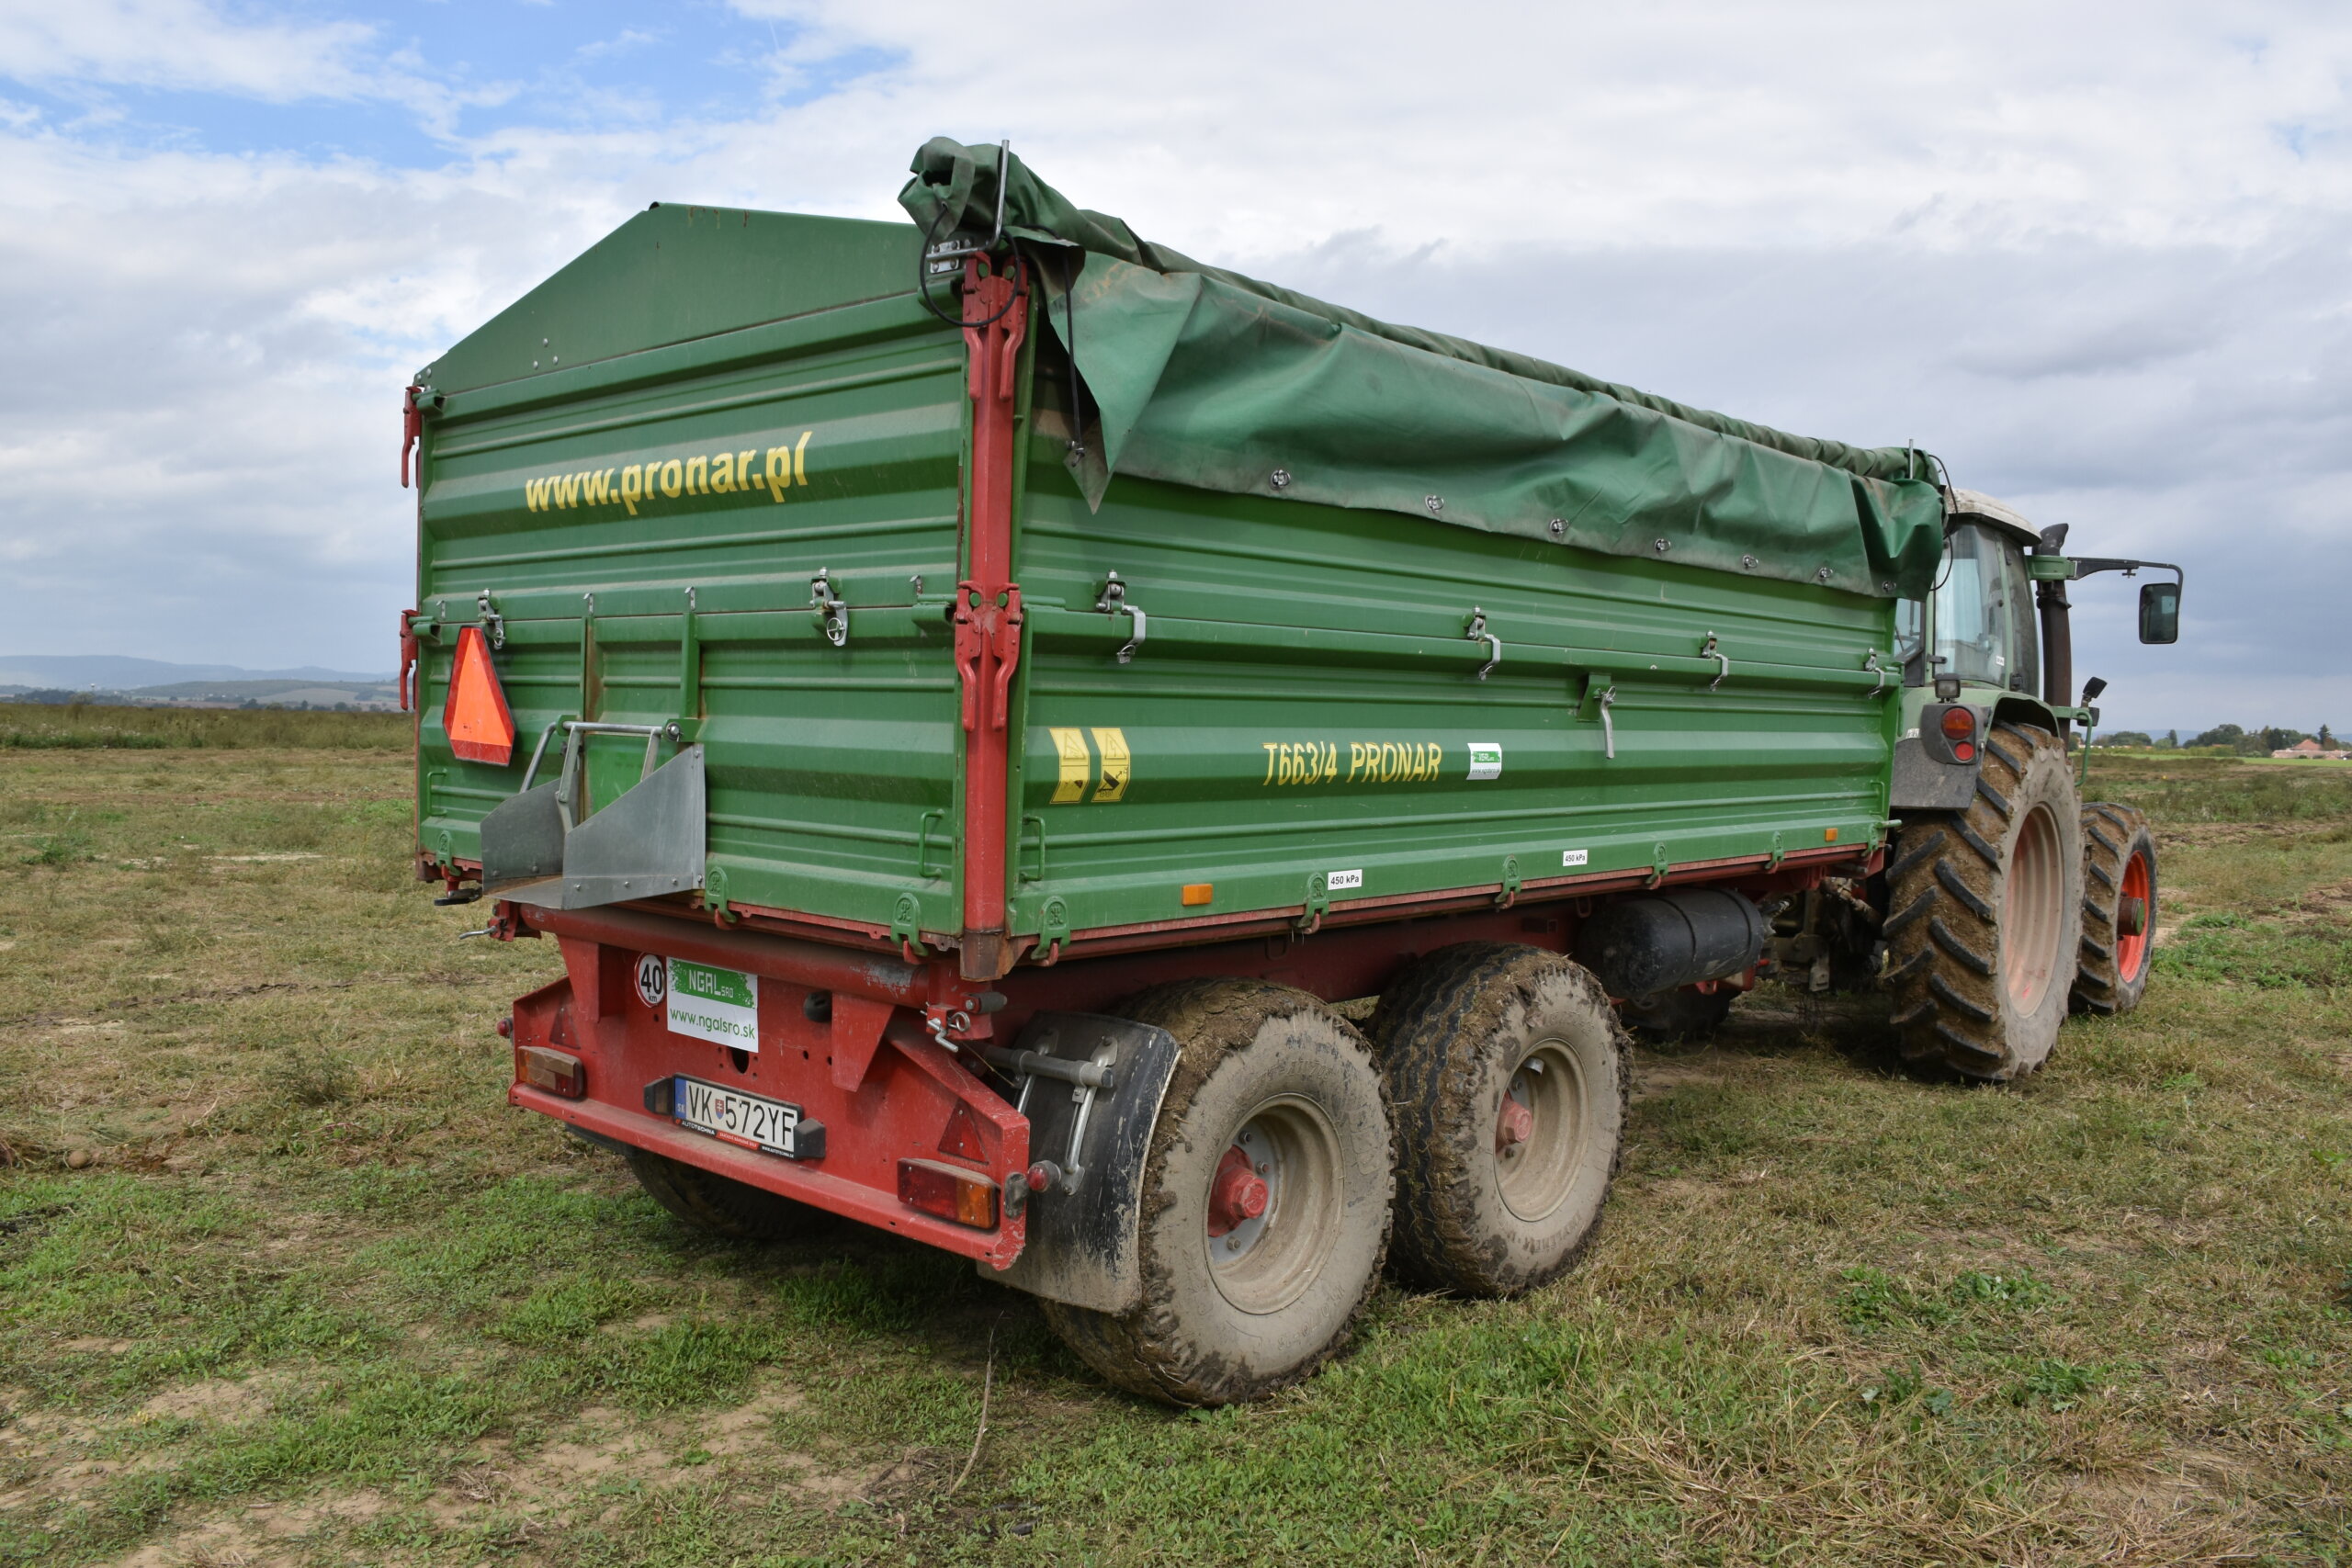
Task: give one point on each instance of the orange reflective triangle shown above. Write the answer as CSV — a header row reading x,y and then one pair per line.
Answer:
x,y
961,1138
481,727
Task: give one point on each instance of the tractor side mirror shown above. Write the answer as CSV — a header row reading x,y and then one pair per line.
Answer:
x,y
2160,611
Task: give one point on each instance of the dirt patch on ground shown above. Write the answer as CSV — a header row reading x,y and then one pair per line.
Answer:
x,y
2240,832
604,1446
2333,902
215,1399
212,1543
260,1535
1654,1074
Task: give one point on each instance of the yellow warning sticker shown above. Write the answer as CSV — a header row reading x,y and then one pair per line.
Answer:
x,y
1077,766
1112,744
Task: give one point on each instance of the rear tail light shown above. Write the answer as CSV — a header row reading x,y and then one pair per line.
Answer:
x,y
1959,726
949,1191
554,1072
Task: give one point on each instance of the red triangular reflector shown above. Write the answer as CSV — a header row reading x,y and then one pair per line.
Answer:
x,y
481,727
961,1138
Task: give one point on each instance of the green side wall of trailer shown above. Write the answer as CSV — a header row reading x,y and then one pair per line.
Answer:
x,y
1306,700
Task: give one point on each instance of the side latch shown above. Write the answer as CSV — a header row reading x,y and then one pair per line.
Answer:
x,y
1710,649
1600,696
1053,931
1113,601
832,612
1509,894
1476,632
906,927
1319,904
493,625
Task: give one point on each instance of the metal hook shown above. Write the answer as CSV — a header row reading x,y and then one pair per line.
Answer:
x,y
1114,600
1477,632
1710,649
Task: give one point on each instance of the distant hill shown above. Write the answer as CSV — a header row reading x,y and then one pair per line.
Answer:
x,y
114,673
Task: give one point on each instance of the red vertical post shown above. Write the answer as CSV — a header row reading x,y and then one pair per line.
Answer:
x,y
988,607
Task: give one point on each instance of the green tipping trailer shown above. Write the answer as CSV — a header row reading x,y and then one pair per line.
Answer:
x,y
964,697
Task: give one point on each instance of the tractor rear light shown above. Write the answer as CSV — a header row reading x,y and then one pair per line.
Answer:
x,y
1949,733
554,1072
949,1191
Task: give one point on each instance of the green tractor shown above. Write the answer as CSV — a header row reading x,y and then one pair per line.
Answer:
x,y
2006,900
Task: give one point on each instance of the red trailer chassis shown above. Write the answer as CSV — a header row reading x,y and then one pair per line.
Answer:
x,y
887,1055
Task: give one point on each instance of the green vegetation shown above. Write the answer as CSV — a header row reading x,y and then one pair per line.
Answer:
x,y
80,726
282,1279
2259,741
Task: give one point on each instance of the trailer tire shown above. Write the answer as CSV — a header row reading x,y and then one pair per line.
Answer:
x,y
1237,1304
720,1205
1488,1206
1985,915
2118,910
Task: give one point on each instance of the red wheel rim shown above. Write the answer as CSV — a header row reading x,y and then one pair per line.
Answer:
x,y
2032,911
2133,936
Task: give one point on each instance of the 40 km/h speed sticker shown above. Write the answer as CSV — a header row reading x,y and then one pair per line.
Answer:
x,y
719,1005
652,980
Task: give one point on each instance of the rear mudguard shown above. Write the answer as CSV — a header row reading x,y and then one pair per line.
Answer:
x,y
1926,783
1084,1227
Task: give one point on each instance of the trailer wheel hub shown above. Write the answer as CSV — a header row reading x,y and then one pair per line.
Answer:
x,y
1274,1210
1514,1126
1239,1194
1539,1131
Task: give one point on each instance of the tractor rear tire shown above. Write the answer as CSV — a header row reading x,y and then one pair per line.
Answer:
x,y
720,1205
1266,1199
2118,910
1506,1066
1985,915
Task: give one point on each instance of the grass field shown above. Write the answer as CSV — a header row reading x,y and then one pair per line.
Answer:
x,y
282,1279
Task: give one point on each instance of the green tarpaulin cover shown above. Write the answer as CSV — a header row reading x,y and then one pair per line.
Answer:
x,y
1203,377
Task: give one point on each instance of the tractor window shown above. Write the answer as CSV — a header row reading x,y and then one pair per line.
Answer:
x,y
1984,626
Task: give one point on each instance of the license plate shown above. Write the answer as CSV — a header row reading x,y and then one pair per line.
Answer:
x,y
747,1121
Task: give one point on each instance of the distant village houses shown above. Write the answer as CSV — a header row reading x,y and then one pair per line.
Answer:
x,y
2310,751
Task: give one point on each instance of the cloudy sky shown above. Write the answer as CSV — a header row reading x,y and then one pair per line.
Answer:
x,y
2097,256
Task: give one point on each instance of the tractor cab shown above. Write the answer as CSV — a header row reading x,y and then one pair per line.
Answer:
x,y
1995,626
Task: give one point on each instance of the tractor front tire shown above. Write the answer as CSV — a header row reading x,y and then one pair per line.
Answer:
x,y
2118,910
1506,1066
1266,1197
1985,915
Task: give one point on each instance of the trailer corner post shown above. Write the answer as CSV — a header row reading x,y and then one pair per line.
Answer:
x,y
988,607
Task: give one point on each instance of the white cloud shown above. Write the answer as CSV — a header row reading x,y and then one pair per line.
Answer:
x,y
181,44
2093,255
